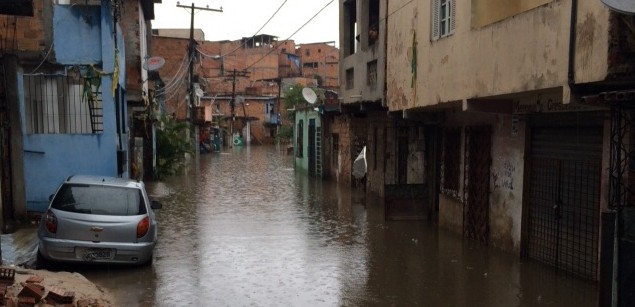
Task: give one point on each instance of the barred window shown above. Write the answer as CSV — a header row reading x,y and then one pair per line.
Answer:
x,y
54,105
371,74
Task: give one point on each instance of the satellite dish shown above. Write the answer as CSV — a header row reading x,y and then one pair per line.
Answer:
x,y
153,63
309,95
621,6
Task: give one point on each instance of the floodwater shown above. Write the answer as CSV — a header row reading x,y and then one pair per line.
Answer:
x,y
245,229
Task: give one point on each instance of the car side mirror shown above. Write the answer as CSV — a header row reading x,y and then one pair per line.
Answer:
x,y
155,204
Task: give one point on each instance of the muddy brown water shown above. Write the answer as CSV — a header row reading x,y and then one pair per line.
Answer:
x,y
244,229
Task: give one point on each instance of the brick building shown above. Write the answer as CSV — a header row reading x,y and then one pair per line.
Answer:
x,y
241,82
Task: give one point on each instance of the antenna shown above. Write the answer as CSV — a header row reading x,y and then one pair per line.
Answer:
x,y
153,63
621,6
309,95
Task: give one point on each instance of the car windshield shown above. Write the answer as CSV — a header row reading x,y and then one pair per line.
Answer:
x,y
97,199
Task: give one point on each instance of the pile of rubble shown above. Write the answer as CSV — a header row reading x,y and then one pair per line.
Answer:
x,y
32,288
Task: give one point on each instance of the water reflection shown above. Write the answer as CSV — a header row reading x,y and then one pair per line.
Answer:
x,y
244,229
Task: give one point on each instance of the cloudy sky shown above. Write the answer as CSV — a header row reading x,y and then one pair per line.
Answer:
x,y
244,18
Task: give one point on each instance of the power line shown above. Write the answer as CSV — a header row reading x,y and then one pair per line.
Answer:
x,y
263,26
292,34
174,84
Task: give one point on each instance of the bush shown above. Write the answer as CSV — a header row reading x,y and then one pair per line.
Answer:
x,y
172,145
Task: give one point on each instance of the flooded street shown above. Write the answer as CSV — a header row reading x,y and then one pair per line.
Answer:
x,y
246,230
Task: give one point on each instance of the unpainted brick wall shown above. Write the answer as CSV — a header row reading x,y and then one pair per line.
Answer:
x,y
26,33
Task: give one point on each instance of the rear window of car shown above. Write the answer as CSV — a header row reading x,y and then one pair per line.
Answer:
x,y
97,199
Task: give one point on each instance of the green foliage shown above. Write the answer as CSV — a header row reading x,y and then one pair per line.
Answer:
x,y
91,84
285,133
293,98
172,145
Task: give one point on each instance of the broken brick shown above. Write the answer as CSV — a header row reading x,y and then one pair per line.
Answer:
x,y
7,276
60,295
32,290
26,301
35,279
3,290
9,302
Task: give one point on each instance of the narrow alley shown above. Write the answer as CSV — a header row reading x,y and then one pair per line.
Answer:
x,y
246,230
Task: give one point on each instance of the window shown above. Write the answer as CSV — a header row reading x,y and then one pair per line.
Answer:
x,y
56,105
450,169
310,65
350,27
350,79
97,199
299,140
443,17
371,74
373,21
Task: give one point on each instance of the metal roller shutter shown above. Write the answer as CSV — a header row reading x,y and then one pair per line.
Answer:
x,y
562,205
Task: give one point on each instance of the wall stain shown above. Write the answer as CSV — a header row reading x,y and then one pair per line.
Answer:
x,y
585,38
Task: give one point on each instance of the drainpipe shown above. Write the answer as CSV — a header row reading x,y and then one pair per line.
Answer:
x,y
572,42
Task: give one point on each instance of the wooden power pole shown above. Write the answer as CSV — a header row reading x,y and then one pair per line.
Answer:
x,y
192,54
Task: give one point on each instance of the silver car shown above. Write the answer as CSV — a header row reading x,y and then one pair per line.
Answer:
x,y
93,219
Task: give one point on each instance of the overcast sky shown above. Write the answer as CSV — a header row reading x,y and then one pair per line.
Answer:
x,y
243,18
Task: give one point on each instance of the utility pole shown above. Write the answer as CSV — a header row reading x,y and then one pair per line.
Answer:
x,y
232,105
192,54
232,102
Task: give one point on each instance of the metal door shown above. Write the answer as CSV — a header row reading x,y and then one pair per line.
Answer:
x,y
5,152
478,158
562,207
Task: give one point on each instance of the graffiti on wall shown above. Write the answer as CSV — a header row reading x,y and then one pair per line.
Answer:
x,y
504,177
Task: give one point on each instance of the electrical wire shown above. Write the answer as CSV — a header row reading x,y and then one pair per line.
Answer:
x,y
395,11
263,26
176,76
177,79
290,36
43,60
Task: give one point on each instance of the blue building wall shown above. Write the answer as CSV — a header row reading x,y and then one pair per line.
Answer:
x,y
83,35
77,34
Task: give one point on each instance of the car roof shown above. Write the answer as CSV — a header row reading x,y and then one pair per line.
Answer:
x,y
104,180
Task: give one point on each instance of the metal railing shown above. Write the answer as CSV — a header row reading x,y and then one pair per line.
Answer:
x,y
54,104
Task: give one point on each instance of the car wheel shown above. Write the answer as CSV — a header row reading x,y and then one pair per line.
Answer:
x,y
41,263
148,262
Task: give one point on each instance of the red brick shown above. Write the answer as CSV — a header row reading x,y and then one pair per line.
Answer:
x,y
7,276
32,290
9,302
26,301
60,295
35,279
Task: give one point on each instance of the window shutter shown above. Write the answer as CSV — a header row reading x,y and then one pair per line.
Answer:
x,y
436,5
452,15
